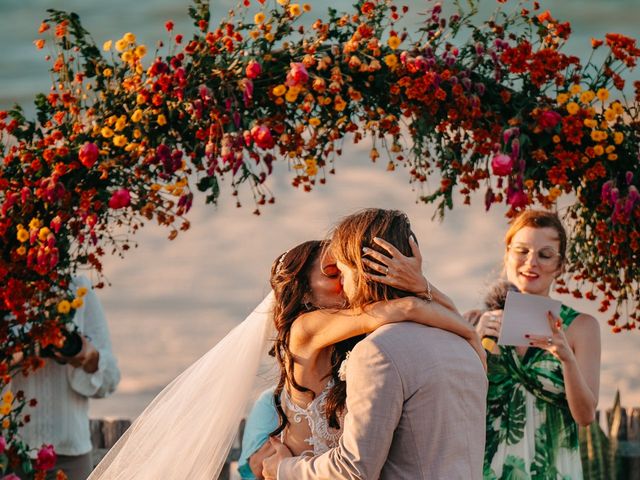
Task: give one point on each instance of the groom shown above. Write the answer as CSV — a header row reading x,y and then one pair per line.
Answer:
x,y
415,395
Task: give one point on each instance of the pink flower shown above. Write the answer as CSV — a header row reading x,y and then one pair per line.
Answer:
x,y
3,445
262,136
120,199
46,458
247,91
11,476
549,119
502,164
88,154
517,199
297,75
253,70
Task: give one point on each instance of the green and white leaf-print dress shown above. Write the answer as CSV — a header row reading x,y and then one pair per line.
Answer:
x,y
530,431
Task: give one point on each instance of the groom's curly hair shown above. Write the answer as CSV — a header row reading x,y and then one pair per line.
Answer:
x,y
290,275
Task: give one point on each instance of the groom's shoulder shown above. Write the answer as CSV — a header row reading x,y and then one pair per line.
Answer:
x,y
407,337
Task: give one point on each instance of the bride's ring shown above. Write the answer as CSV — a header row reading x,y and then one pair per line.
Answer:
x,y
549,341
385,271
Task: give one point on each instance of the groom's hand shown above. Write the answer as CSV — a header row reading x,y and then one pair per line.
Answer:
x,y
270,464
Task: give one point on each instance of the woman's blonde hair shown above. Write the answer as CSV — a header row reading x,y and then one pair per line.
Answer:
x,y
538,219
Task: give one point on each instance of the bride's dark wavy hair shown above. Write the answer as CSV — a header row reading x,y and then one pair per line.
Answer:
x,y
290,275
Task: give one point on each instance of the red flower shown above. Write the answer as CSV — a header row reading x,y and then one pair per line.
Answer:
x,y
297,75
549,119
262,136
502,164
46,458
120,199
88,154
253,70
517,199
169,26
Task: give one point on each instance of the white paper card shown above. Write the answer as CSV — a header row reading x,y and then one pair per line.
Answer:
x,y
525,313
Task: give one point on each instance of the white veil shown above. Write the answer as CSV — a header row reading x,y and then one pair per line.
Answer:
x,y
187,430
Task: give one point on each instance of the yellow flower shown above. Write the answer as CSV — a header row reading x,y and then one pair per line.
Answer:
x,y
106,132
23,235
618,138
610,115
292,95
573,108
339,104
587,96
598,135
5,408
107,72
33,224
21,250
255,34
141,99
42,235
306,7
554,193
7,397
126,56
131,147
64,307
562,98
391,60
259,17
598,150
137,133
610,149
120,140
141,51
6,423
589,123
121,123
612,156
77,303
314,122
312,166
106,46
603,94
279,90
556,139
81,292
269,37
617,107
129,37
111,120
394,42
162,120
294,9
283,2
575,89
136,116
121,45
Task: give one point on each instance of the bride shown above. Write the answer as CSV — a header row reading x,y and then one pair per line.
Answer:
x,y
187,430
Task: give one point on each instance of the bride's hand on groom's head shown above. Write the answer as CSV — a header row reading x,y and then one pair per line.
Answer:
x,y
270,464
394,268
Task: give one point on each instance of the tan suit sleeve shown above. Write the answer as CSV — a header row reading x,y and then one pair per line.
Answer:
x,y
374,402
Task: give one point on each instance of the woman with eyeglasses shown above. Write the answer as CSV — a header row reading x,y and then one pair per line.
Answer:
x,y
538,395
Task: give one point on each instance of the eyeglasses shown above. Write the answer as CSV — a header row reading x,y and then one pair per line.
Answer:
x,y
546,256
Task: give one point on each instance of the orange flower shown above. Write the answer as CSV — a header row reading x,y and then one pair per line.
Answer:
x,y
44,26
39,43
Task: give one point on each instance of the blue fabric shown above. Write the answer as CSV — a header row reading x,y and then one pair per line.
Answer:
x,y
262,420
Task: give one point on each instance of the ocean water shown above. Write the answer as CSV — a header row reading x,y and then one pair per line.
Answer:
x,y
170,301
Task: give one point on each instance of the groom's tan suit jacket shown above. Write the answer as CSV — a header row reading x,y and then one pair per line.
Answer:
x,y
416,410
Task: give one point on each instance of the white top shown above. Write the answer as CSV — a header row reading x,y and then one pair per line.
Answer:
x,y
323,437
61,417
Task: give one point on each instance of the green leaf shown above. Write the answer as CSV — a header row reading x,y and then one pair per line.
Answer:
x,y
514,417
514,469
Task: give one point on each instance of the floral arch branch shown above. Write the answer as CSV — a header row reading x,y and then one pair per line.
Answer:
x,y
493,106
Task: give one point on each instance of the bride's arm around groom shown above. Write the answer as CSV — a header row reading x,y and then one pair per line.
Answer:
x,y
415,409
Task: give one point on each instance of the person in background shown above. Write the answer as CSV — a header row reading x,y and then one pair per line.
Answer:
x,y
262,420
64,385
538,394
